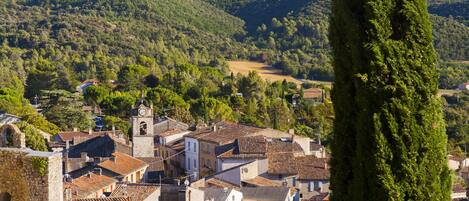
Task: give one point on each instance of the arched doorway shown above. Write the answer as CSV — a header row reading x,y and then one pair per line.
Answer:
x,y
5,197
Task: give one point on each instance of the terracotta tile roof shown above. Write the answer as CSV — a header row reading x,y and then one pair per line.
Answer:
x,y
70,135
226,132
312,168
138,192
106,199
154,163
281,163
220,183
278,146
123,164
90,183
262,181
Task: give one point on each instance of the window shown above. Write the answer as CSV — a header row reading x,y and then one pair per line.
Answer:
x,y
233,197
143,128
207,163
294,181
188,146
188,164
195,147
195,164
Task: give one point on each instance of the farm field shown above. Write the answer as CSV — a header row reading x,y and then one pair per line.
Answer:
x,y
265,71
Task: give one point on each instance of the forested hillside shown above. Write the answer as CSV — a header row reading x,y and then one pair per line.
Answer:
x,y
294,34
458,10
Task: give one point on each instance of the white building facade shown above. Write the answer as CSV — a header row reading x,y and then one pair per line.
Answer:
x,y
192,157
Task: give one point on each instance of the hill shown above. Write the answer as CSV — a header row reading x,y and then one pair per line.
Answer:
x,y
293,35
82,39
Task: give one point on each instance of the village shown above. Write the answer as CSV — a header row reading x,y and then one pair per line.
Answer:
x,y
166,160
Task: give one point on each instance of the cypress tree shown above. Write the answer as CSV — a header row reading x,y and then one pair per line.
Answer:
x,y
389,139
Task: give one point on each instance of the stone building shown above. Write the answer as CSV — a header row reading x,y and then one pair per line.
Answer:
x,y
142,131
27,175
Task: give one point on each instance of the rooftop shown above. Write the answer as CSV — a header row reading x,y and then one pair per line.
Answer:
x,y
261,181
169,124
123,164
216,193
102,146
220,183
71,135
90,183
265,193
138,192
223,132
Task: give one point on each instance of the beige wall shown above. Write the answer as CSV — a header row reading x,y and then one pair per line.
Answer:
x,y
193,194
207,157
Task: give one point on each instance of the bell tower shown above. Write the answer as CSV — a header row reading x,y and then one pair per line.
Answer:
x,y
142,130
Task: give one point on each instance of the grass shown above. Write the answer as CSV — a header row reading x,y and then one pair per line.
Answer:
x,y
265,71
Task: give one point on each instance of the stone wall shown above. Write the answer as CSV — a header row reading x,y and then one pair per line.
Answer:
x,y
30,175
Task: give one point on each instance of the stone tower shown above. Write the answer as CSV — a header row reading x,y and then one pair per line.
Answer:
x,y
142,130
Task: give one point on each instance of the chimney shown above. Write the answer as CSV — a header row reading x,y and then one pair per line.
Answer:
x,y
90,131
113,129
291,131
88,175
75,129
67,144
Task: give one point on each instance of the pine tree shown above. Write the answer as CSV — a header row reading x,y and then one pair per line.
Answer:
x,y
389,139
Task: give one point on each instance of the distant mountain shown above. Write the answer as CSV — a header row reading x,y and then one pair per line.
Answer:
x,y
458,10
120,27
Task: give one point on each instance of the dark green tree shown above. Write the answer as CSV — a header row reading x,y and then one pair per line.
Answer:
x,y
389,140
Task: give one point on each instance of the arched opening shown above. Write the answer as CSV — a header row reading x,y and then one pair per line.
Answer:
x,y
143,128
5,197
8,137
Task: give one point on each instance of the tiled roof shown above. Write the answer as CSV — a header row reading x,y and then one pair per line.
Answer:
x,y
220,183
252,145
85,185
70,135
281,163
265,193
278,146
138,192
312,168
123,164
106,199
154,163
177,145
320,197
262,181
102,146
226,132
